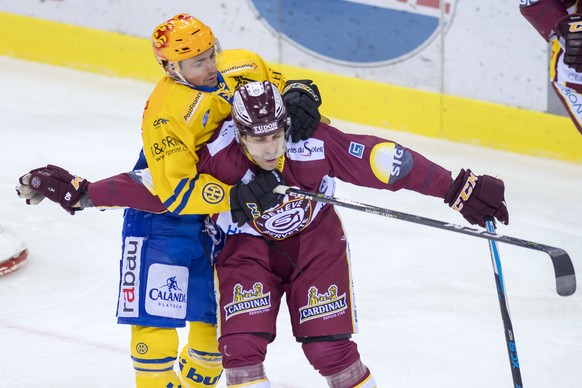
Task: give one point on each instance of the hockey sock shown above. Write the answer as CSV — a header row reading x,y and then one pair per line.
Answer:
x,y
250,376
200,360
243,355
154,351
354,376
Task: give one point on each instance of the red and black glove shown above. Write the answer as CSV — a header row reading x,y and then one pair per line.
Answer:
x,y
302,99
249,200
570,28
54,183
477,197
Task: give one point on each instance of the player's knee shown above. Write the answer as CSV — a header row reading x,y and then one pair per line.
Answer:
x,y
339,362
153,348
200,360
329,357
243,349
153,352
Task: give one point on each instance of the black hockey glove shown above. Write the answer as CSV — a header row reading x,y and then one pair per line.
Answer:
x,y
302,100
477,197
54,183
570,28
249,200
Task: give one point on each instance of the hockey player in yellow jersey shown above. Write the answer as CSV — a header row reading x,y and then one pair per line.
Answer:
x,y
166,270
178,118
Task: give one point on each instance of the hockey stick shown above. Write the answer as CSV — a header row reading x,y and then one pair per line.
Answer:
x,y
563,267
503,305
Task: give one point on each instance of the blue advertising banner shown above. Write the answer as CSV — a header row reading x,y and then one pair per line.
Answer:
x,y
357,32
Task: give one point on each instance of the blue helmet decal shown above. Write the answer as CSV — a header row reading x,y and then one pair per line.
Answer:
x,y
357,32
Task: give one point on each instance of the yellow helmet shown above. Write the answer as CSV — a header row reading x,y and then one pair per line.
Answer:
x,y
181,37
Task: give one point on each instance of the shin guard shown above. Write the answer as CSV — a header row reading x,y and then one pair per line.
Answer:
x,y
200,360
250,376
354,376
154,351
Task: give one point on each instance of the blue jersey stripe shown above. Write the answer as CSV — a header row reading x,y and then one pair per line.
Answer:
x,y
177,192
186,196
153,361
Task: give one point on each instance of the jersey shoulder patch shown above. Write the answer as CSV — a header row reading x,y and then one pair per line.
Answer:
x,y
306,150
236,62
193,106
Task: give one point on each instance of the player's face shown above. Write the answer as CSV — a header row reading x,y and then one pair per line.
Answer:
x,y
265,150
201,69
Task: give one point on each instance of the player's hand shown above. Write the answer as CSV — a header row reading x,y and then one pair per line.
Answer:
x,y
570,28
54,183
24,191
249,200
477,197
302,99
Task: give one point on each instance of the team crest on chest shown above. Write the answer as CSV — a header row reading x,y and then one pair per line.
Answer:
x,y
250,301
326,305
286,219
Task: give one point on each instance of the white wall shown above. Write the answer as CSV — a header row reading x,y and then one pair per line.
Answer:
x,y
487,51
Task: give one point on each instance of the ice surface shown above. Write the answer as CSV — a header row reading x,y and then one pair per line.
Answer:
x,y
427,305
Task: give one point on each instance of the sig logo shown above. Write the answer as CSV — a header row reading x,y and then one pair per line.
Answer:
x,y
390,162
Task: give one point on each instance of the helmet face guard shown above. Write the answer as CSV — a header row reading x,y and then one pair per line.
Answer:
x,y
258,110
262,124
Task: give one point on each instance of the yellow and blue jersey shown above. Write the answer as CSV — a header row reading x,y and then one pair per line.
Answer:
x,y
179,119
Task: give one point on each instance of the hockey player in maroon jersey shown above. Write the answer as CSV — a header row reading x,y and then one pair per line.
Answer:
x,y
560,22
295,247
302,251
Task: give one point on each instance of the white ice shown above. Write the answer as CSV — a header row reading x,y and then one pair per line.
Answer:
x,y
427,303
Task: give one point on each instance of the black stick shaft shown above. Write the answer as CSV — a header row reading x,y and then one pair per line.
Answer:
x,y
563,267
503,305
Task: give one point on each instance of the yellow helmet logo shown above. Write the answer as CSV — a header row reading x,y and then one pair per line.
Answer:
x,y
181,37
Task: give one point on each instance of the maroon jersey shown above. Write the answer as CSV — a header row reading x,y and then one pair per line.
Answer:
x,y
545,14
312,165
298,248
